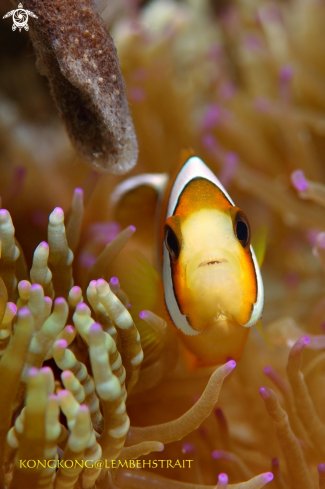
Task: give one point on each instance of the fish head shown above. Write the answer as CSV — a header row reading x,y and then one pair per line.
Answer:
x,y
211,264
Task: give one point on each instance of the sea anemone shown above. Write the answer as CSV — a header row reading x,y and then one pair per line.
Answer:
x,y
83,377
100,364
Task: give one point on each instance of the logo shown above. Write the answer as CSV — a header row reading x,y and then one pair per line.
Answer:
x,y
20,18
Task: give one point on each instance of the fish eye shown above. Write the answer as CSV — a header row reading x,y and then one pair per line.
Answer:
x,y
172,243
242,229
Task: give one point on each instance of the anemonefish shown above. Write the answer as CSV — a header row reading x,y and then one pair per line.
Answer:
x,y
212,285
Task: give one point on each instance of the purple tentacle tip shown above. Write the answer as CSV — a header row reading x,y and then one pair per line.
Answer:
x,y
267,370
23,312
133,228
298,180
3,215
264,392
321,240
321,468
305,340
100,282
221,455
223,478
81,307
58,211
142,315
286,73
268,476
137,94
232,159
36,287
46,369
209,141
20,171
211,117
32,372
95,328
188,447
84,408
232,364
275,462
114,281
62,343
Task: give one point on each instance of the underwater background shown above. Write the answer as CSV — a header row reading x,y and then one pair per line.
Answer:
x,y
241,82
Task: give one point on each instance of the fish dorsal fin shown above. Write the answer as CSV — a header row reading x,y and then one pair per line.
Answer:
x,y
135,200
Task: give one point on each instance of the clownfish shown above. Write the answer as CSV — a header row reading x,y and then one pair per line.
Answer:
x,y
212,284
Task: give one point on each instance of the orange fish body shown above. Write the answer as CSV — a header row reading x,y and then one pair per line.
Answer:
x,y
213,287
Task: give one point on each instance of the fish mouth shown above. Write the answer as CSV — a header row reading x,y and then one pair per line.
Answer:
x,y
212,261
